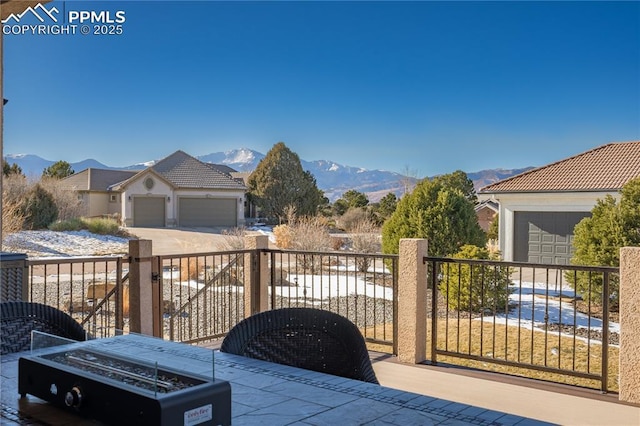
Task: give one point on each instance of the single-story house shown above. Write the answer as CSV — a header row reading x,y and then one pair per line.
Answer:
x,y
539,208
178,190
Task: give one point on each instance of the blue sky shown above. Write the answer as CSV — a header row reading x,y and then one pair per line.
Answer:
x,y
425,87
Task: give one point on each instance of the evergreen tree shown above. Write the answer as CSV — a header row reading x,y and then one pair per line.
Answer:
x,y
58,170
598,239
461,181
387,205
280,182
11,169
355,198
39,209
435,211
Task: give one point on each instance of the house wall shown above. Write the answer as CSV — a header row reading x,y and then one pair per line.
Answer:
x,y
538,202
485,217
161,188
137,189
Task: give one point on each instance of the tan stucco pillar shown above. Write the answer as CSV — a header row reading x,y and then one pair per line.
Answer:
x,y
412,301
140,287
256,284
630,325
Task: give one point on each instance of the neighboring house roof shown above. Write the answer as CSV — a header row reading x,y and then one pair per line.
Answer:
x,y
223,168
606,168
185,171
96,179
489,204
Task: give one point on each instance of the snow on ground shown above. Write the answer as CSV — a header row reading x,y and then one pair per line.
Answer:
x,y
530,300
64,244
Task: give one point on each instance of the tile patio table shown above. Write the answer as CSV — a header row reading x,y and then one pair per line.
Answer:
x,y
263,393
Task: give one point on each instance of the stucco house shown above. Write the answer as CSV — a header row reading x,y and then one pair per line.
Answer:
x,y
178,190
539,208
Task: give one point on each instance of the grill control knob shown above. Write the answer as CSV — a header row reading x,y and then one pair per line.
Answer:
x,y
73,398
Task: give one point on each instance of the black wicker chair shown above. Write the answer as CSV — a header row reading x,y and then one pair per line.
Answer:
x,y
18,319
306,338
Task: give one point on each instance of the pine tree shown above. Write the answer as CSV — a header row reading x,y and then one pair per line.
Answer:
x,y
279,182
58,170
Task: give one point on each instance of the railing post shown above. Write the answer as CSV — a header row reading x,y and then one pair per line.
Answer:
x,y
14,277
255,287
629,296
140,287
412,301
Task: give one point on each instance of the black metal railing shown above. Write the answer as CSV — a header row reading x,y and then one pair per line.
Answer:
x,y
553,319
202,294
90,289
359,286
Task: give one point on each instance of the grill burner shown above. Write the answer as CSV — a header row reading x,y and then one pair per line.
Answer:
x,y
121,390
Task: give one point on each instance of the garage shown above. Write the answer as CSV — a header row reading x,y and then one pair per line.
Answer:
x,y
545,237
149,212
208,212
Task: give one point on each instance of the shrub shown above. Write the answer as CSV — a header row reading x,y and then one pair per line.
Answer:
x,y
282,234
39,209
96,225
234,238
352,218
68,225
475,287
69,206
365,238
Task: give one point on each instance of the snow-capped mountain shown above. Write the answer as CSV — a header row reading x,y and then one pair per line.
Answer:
x,y
333,178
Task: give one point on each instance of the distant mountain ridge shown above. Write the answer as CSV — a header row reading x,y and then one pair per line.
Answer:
x,y
333,178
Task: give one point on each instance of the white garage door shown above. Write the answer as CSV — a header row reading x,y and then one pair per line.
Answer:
x,y
208,212
149,211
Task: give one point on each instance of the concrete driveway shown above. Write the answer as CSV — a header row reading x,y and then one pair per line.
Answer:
x,y
168,241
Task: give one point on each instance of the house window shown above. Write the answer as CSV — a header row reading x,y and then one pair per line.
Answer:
x,y
113,198
148,183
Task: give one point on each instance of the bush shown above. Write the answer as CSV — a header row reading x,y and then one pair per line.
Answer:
x,y
68,225
352,218
365,238
69,206
234,238
96,225
39,209
283,236
475,287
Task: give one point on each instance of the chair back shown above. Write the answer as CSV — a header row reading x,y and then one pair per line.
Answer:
x,y
19,319
307,338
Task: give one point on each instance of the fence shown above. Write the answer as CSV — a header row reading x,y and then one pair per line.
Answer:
x,y
497,314
202,294
358,286
526,316
89,289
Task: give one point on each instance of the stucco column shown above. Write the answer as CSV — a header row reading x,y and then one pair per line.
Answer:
x,y
630,325
256,296
412,301
140,287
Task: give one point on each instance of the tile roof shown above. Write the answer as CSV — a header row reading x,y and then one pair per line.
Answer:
x,y
605,168
185,171
92,179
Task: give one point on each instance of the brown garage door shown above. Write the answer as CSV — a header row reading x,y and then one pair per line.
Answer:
x,y
545,237
208,212
149,211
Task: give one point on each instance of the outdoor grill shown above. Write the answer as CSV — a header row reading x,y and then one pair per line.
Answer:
x,y
117,389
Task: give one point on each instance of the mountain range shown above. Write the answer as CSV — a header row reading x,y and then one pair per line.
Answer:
x,y
332,178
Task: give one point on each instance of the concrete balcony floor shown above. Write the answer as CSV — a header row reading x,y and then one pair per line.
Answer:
x,y
536,400
548,402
